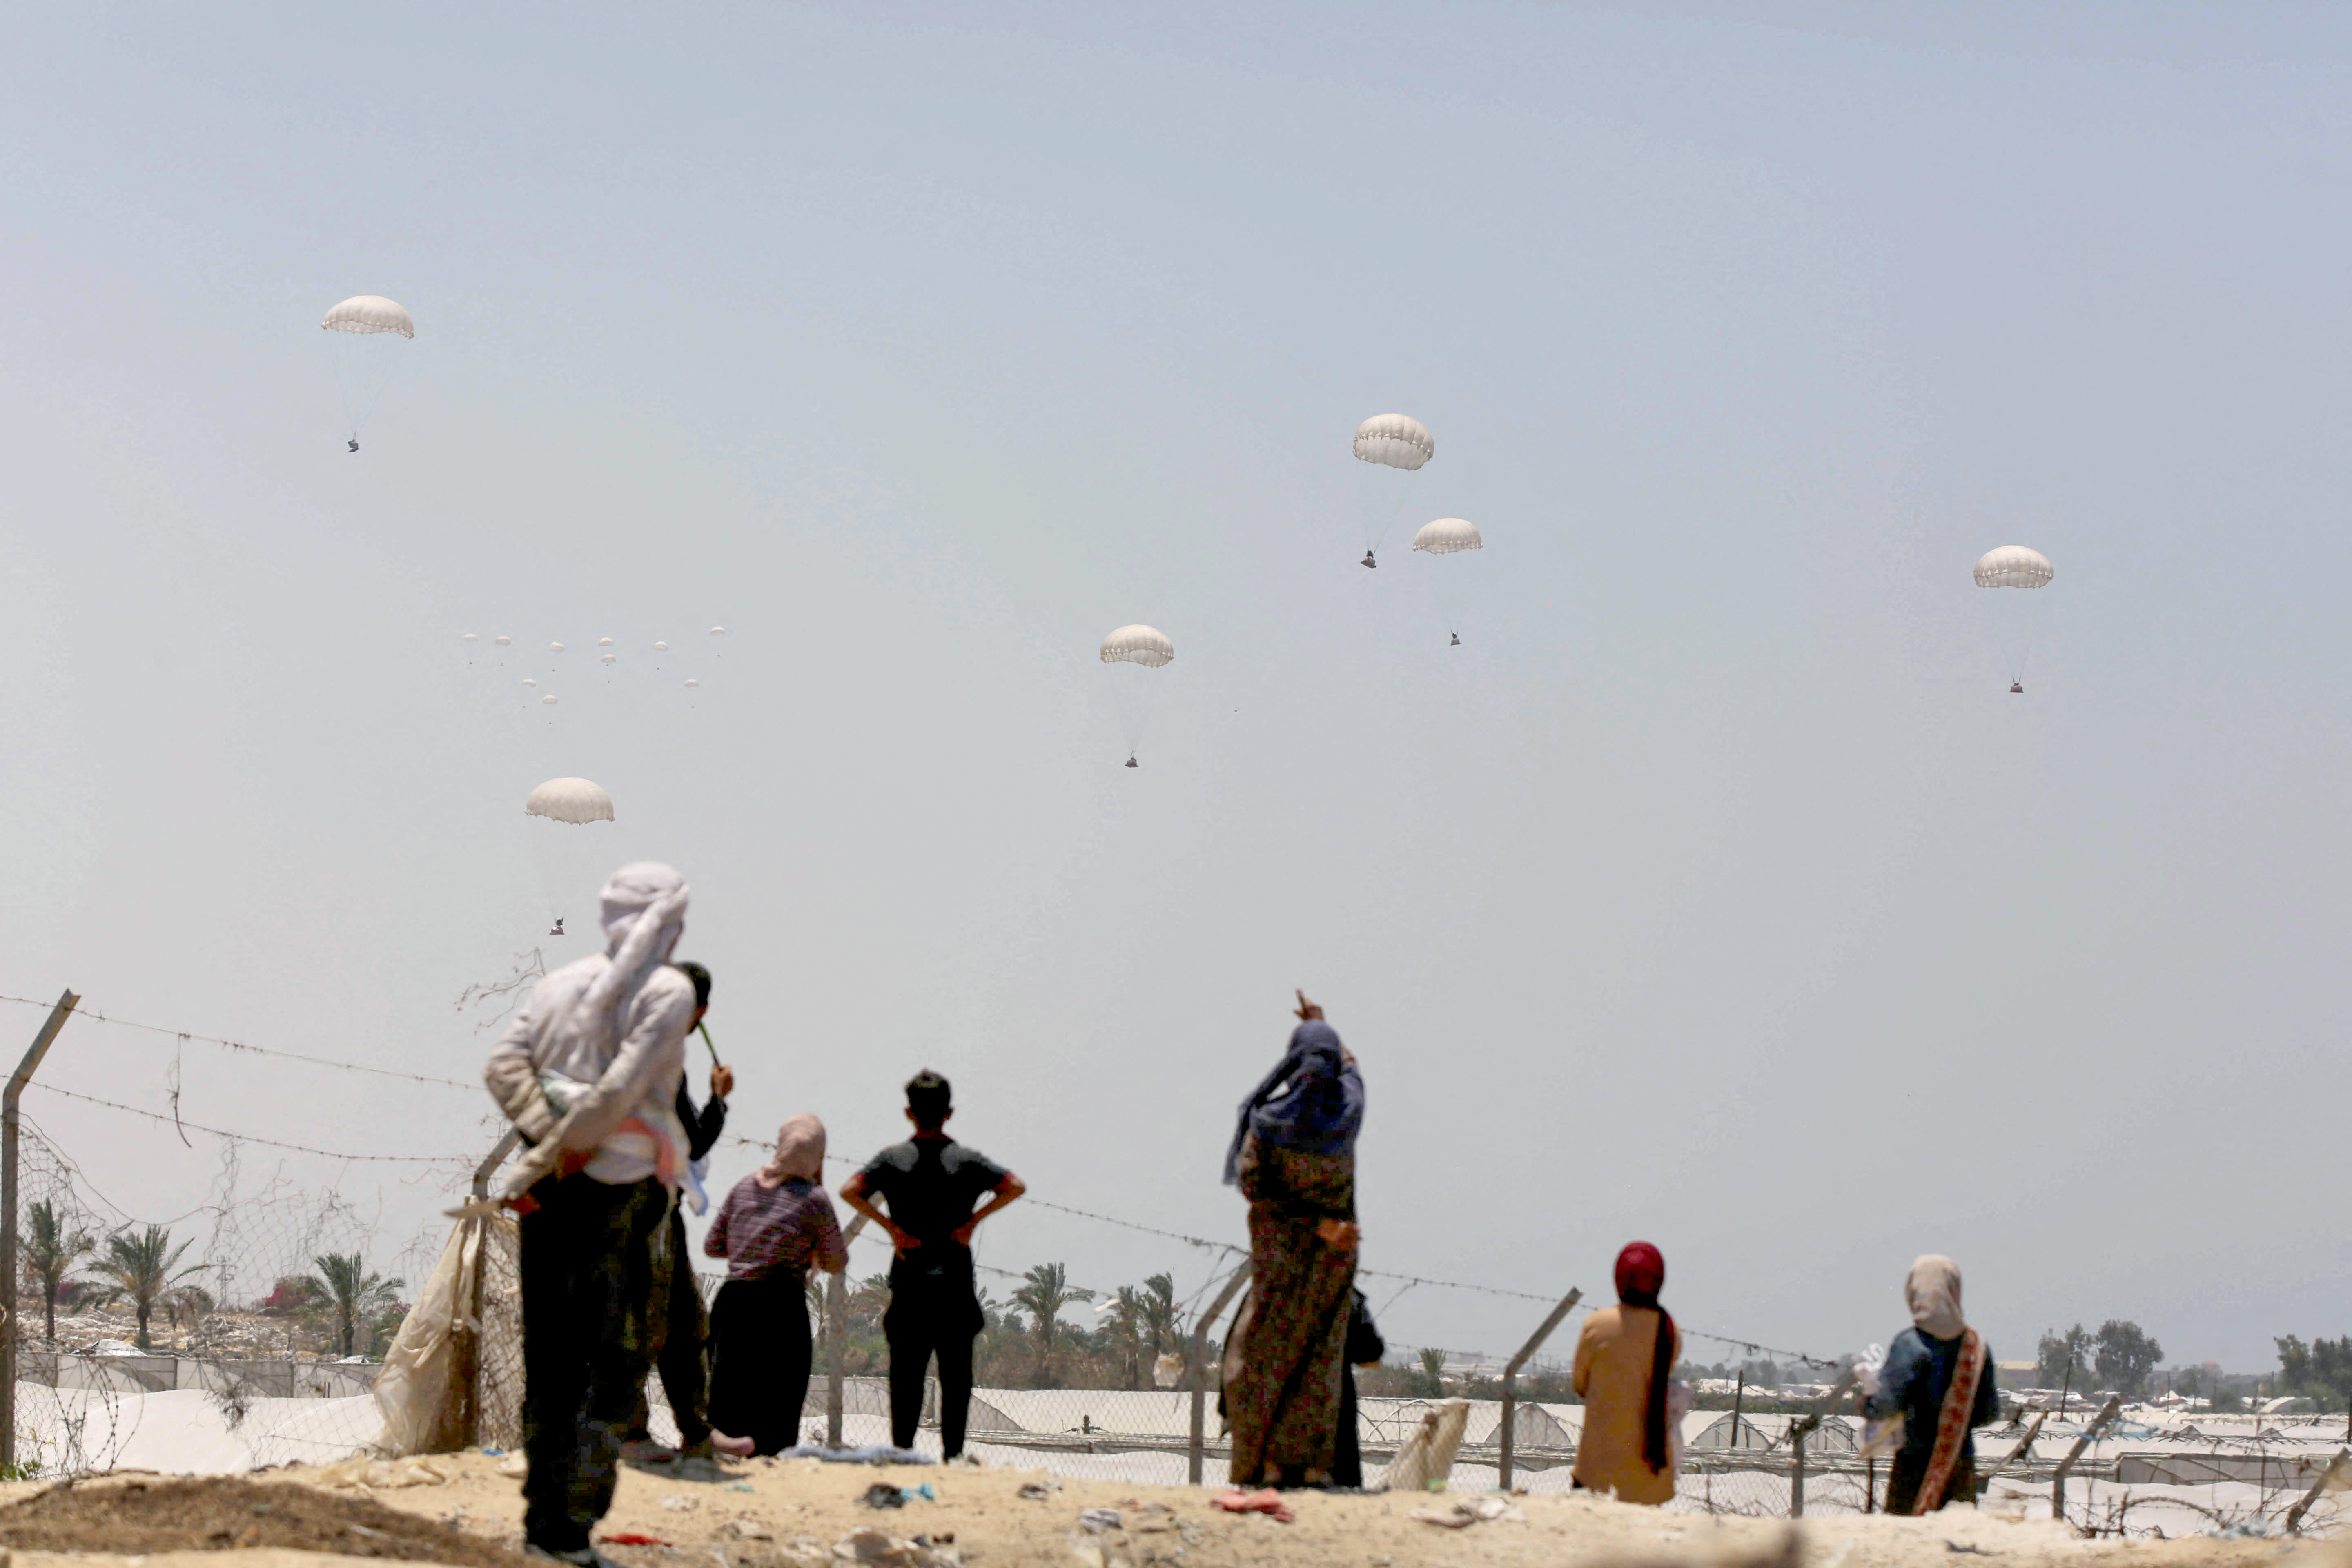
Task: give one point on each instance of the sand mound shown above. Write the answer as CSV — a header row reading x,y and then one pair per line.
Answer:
x,y
137,1516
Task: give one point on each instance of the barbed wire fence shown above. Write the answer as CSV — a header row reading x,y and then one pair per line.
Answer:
x,y
273,1299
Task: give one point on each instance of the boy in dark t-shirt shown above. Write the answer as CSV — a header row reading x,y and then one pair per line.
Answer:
x,y
934,1186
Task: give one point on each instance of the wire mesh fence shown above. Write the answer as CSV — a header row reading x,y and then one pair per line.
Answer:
x,y
248,1328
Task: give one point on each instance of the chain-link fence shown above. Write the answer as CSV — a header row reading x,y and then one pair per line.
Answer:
x,y
249,1330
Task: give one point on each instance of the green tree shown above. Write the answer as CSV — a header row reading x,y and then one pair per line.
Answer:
x,y
52,1252
2126,1355
141,1265
1163,1329
345,1283
1044,1291
1126,1331
2323,1369
2065,1359
1432,1373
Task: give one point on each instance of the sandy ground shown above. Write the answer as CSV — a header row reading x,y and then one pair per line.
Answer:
x,y
790,1513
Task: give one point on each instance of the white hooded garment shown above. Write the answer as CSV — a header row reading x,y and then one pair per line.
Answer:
x,y
607,1036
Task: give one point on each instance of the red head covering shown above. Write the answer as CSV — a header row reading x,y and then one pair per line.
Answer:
x,y
1640,1272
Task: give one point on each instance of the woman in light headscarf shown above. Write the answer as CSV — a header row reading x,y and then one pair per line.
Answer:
x,y
776,1223
1293,1157
1937,1379
1625,1357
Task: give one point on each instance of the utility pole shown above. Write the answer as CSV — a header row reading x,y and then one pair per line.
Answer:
x,y
66,1001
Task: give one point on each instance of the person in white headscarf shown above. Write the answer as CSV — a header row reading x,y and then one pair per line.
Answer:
x,y
589,1073
1937,1379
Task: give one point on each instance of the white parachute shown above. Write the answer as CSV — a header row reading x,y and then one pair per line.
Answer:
x,y
2014,566
1130,651
2015,619
570,850
363,327
367,314
1147,645
1395,441
576,801
1393,447
1449,536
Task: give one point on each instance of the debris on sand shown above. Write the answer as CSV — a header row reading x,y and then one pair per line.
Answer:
x,y
1265,1501
1467,1511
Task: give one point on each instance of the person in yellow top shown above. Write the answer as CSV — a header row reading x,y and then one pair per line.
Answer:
x,y
1623,1358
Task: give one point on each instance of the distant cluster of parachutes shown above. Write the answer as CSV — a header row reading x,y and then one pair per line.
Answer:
x,y
608,655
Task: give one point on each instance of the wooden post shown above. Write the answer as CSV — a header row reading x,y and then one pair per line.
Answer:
x,y
1197,1371
2295,1515
1511,1376
469,1334
66,1002
2024,1446
2090,1435
1738,1398
837,1329
1797,1472
1802,1428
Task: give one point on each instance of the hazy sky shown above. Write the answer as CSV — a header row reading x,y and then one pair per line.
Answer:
x,y
1714,890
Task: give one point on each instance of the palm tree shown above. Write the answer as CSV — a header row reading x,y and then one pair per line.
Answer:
x,y
51,1253
1432,1372
1162,1326
140,1266
1126,1331
344,1281
1045,1292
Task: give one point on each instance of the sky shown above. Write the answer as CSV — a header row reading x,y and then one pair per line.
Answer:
x,y
1714,890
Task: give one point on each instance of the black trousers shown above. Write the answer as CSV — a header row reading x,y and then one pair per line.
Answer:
x,y
760,1354
587,1275
681,1342
919,1330
1348,1457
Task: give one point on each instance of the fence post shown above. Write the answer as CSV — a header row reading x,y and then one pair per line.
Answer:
x,y
65,1002
1804,1428
2090,1435
1197,1371
469,1336
2024,1446
1511,1377
2295,1515
837,1329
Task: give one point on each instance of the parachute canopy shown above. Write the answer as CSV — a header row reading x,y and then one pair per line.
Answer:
x,y
2013,566
469,637
1145,645
1448,534
570,800
603,642
502,641
369,313
1398,440
661,647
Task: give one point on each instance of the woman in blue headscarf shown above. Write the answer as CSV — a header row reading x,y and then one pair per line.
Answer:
x,y
1293,1157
